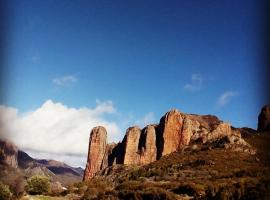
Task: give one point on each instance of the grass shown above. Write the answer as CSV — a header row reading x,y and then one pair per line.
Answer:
x,y
42,197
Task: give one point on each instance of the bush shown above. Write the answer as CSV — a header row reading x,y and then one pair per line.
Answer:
x,y
17,187
5,193
96,189
38,185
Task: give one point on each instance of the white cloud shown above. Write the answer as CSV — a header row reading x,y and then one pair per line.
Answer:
x,y
57,129
65,80
196,83
147,119
225,98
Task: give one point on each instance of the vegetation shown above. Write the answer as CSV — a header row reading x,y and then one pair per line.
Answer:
x,y
5,193
38,185
201,173
195,173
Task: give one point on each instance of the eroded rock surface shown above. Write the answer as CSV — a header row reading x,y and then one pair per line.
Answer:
x,y
131,143
171,129
8,154
96,151
175,132
147,145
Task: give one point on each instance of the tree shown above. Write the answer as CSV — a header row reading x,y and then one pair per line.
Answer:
x,y
38,185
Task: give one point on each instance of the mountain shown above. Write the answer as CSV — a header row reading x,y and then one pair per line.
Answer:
x,y
24,166
174,132
185,156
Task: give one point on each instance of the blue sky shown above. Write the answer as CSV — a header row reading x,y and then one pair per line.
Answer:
x,y
143,56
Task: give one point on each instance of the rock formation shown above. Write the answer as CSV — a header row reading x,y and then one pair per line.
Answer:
x,y
174,132
147,145
264,119
8,154
96,152
131,143
171,132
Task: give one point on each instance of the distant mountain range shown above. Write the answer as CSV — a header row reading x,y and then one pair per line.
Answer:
x,y
16,164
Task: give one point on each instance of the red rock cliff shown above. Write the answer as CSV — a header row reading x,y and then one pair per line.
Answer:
x,y
96,152
139,147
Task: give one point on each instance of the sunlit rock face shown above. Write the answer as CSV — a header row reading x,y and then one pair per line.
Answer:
x,y
131,143
174,132
264,119
170,132
96,152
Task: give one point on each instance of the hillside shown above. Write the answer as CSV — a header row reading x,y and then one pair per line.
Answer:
x,y
16,166
185,156
198,172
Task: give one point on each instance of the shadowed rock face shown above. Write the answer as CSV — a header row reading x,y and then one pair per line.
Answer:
x,y
147,145
139,147
108,160
96,152
8,154
264,119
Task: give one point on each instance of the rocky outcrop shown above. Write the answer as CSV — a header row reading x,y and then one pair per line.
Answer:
x,y
106,159
8,154
131,143
175,132
264,119
147,145
96,152
171,132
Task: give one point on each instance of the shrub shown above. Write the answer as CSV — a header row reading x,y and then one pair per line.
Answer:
x,y
56,189
78,188
90,193
38,185
17,187
5,193
97,189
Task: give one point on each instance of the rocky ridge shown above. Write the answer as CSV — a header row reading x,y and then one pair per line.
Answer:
x,y
16,164
174,132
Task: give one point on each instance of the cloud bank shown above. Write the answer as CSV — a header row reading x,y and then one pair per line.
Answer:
x,y
56,129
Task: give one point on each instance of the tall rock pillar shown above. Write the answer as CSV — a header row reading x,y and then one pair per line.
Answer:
x,y
96,152
171,130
